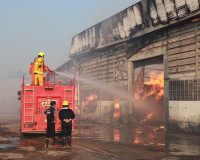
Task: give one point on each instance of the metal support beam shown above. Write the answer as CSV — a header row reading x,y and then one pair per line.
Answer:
x,y
166,86
131,87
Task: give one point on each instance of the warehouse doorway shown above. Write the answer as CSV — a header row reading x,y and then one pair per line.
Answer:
x,y
149,91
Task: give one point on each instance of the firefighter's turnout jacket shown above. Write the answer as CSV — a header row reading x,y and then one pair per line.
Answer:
x,y
38,71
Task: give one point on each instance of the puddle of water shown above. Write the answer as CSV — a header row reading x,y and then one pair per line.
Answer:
x,y
10,142
145,136
139,135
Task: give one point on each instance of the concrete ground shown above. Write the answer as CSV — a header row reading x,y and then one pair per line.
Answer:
x,y
101,142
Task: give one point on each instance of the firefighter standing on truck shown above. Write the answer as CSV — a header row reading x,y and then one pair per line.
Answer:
x,y
50,115
31,70
66,115
39,69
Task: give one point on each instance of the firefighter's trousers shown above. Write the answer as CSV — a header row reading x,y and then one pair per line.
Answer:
x,y
39,79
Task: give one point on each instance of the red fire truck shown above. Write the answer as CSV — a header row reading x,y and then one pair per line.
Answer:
x,y
36,99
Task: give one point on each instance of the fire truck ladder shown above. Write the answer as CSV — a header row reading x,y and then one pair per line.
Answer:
x,y
71,96
28,111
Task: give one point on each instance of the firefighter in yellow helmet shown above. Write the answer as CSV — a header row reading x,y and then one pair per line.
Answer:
x,y
66,115
39,69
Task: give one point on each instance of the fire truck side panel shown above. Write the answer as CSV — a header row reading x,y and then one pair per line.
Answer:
x,y
36,99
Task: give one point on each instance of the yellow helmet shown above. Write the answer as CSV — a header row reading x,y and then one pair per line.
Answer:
x,y
41,54
65,103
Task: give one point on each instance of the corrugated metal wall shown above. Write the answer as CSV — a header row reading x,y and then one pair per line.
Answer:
x,y
183,52
108,66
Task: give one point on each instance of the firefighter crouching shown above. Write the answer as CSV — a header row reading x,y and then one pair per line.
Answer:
x,y
50,115
39,69
66,115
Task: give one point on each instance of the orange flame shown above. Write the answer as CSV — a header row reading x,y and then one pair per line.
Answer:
x,y
137,140
158,129
90,105
149,116
91,98
162,127
155,86
116,135
157,83
116,109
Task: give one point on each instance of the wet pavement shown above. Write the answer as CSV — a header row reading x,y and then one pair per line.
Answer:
x,y
102,141
138,134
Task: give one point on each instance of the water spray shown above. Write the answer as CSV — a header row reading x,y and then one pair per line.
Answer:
x,y
99,85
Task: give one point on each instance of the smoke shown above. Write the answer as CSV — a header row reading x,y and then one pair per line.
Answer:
x,y
9,104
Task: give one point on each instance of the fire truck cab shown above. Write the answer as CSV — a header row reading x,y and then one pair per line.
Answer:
x,y
36,99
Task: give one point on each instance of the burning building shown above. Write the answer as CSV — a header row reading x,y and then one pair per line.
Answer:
x,y
149,50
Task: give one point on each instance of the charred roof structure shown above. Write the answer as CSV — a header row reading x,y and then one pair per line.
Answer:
x,y
120,50
137,20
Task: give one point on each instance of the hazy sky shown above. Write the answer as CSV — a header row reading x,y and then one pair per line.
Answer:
x,y
30,26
